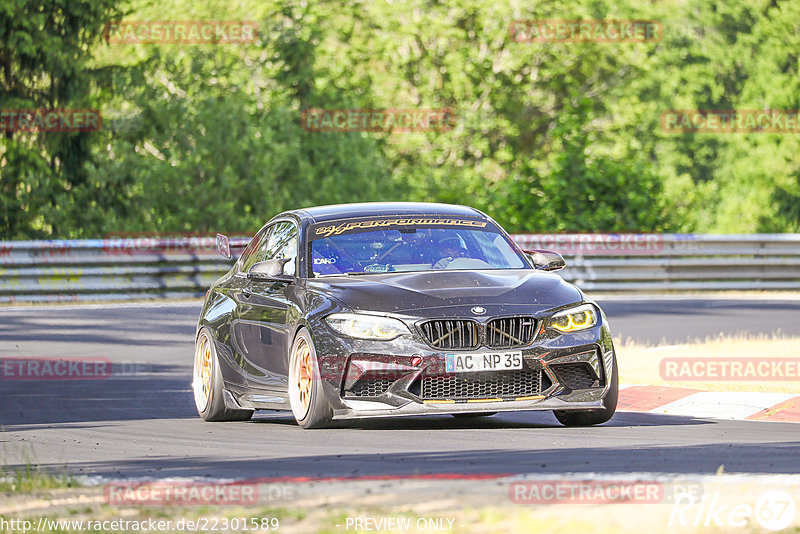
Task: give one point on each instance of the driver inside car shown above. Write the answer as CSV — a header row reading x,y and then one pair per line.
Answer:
x,y
452,248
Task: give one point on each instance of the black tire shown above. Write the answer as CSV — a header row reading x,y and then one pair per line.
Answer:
x,y
310,407
594,417
472,415
208,398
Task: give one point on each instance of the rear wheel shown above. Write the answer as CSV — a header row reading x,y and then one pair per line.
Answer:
x,y
594,417
207,383
309,405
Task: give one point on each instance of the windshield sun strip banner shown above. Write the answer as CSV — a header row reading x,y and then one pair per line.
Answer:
x,y
351,226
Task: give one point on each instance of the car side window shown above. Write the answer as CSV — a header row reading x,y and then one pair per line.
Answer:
x,y
282,243
279,240
250,254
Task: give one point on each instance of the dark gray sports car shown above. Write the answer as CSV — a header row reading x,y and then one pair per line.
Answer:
x,y
389,309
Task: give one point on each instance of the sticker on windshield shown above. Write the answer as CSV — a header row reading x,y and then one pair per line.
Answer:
x,y
348,227
376,268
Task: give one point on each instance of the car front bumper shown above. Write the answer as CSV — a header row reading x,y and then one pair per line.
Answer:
x,y
397,368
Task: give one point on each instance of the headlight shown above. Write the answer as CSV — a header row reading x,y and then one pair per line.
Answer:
x,y
366,326
579,318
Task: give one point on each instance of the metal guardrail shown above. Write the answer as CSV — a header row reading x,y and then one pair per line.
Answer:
x,y
675,262
127,268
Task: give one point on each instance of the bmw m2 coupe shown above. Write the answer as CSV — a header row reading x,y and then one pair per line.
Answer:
x,y
392,309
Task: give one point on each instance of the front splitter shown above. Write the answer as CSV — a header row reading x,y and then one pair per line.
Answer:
x,y
357,409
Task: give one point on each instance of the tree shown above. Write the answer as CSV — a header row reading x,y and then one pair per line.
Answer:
x,y
45,55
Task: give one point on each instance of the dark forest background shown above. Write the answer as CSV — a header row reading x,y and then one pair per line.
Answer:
x,y
549,137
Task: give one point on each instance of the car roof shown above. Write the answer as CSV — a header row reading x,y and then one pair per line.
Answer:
x,y
377,209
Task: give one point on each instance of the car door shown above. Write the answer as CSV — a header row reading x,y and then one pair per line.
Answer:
x,y
264,306
233,288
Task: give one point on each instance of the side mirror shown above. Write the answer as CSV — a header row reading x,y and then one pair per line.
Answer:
x,y
269,270
224,246
545,260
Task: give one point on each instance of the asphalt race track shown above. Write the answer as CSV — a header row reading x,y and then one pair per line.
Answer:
x,y
141,421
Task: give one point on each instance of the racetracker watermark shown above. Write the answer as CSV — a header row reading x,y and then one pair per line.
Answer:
x,y
123,124
355,370
144,524
55,368
133,243
586,31
181,32
390,120
730,369
595,244
730,121
180,493
585,492
50,120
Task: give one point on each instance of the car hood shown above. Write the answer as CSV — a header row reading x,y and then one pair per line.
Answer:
x,y
405,293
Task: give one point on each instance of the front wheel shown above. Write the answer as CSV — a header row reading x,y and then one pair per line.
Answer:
x,y
207,383
594,417
309,405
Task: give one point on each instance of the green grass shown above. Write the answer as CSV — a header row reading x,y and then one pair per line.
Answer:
x,y
27,476
30,478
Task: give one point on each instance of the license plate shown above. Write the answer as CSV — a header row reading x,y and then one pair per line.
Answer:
x,y
493,361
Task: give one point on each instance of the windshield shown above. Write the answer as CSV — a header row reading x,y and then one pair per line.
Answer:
x,y
408,247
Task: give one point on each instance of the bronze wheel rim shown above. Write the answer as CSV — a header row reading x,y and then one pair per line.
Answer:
x,y
201,380
302,379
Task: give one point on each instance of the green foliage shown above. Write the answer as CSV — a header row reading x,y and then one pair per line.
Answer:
x,y
29,478
45,48
549,137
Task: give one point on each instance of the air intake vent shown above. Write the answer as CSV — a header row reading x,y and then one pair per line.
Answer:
x,y
524,382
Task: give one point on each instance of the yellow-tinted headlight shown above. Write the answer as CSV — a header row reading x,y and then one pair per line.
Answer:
x,y
366,326
579,318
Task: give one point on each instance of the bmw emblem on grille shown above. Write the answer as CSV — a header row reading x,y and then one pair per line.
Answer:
x,y
478,310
